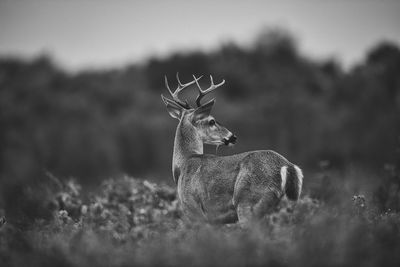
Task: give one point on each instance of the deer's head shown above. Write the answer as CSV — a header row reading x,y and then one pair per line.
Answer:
x,y
198,118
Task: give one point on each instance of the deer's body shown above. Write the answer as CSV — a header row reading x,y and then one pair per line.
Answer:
x,y
224,189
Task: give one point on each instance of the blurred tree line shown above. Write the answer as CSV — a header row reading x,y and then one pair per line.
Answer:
x,y
95,124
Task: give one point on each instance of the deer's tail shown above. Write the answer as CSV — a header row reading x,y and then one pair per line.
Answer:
x,y
292,181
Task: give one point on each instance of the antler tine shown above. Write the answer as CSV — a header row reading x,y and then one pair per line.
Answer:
x,y
202,93
179,81
166,85
183,86
178,90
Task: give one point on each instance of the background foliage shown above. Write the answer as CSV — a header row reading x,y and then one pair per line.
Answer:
x,y
94,124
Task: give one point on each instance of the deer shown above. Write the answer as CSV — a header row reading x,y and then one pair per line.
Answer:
x,y
216,189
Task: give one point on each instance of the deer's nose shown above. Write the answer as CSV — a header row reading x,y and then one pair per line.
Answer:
x,y
232,139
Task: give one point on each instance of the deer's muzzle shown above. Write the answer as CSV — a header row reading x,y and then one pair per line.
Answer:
x,y
231,140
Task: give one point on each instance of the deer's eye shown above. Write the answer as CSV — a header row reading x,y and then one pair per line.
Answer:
x,y
211,122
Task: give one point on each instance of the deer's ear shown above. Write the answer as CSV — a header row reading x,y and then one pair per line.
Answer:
x,y
173,109
204,110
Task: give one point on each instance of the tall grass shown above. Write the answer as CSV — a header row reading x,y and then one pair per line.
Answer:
x,y
129,222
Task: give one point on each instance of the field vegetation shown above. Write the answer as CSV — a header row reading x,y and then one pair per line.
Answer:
x,y
133,222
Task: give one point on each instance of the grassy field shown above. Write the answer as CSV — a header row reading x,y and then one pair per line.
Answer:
x,y
132,222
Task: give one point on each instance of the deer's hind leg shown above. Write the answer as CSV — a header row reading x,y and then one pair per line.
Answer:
x,y
253,197
266,205
253,210
245,198
245,213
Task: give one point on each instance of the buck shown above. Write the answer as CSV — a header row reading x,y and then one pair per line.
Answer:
x,y
223,189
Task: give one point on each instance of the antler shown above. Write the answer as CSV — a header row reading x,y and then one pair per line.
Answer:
x,y
202,93
179,89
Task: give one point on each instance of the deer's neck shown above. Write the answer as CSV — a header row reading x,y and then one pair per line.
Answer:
x,y
187,142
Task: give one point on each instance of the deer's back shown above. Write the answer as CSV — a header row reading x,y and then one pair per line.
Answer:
x,y
212,170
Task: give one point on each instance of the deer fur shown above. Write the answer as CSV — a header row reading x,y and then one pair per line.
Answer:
x,y
225,189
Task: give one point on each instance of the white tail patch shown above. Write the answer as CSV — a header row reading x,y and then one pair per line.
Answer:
x,y
300,176
283,177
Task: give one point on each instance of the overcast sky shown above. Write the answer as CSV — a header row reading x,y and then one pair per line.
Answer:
x,y
95,33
